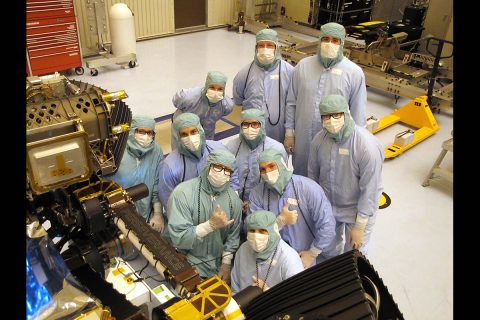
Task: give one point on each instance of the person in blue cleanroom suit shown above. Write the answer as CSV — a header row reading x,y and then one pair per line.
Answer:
x,y
328,72
140,162
263,83
310,226
204,217
266,252
208,102
346,160
188,159
246,148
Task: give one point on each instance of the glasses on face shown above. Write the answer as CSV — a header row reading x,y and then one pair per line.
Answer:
x,y
220,168
186,133
145,131
334,115
332,40
254,124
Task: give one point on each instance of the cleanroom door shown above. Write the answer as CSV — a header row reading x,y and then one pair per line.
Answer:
x,y
189,13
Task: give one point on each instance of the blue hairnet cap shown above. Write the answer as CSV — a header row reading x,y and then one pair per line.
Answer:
x,y
261,219
216,77
253,114
267,220
186,120
333,103
267,34
221,156
333,29
142,121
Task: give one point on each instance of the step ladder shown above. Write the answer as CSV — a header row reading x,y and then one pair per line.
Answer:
x,y
436,170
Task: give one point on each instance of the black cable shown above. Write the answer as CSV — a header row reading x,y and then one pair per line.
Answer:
x,y
238,149
184,168
141,270
279,91
279,99
205,261
300,209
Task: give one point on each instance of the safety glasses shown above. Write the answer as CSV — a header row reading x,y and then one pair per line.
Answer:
x,y
254,124
145,131
220,168
334,115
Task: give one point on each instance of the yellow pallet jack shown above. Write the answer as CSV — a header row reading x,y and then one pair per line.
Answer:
x,y
416,114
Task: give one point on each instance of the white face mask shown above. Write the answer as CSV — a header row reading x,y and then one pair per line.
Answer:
x,y
333,125
143,139
250,133
271,177
329,50
265,55
257,241
191,142
214,96
217,179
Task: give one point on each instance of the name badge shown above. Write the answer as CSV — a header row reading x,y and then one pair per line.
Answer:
x,y
293,202
337,71
343,152
274,77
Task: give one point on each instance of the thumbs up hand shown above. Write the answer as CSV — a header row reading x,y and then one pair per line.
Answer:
x,y
218,219
288,216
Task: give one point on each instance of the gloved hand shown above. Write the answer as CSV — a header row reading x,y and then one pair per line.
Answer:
x,y
289,143
286,216
358,231
307,258
356,237
259,283
224,272
157,223
218,219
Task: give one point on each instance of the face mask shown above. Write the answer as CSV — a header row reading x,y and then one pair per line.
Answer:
x,y
191,142
333,125
217,179
271,177
257,241
250,133
329,50
214,96
265,55
143,139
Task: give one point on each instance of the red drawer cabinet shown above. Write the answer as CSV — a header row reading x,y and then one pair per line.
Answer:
x,y
52,37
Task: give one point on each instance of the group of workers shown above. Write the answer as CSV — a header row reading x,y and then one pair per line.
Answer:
x,y
240,203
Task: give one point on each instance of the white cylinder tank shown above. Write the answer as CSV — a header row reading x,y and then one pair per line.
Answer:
x,y
122,30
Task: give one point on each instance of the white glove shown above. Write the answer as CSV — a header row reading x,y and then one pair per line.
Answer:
x,y
358,232
157,223
217,220
259,283
289,141
309,256
286,216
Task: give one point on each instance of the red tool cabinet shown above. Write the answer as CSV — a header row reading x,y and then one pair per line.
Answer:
x,y
52,37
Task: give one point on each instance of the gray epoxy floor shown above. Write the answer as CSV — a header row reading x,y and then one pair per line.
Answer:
x,y
412,243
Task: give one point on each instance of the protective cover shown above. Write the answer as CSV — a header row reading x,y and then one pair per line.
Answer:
x,y
52,292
